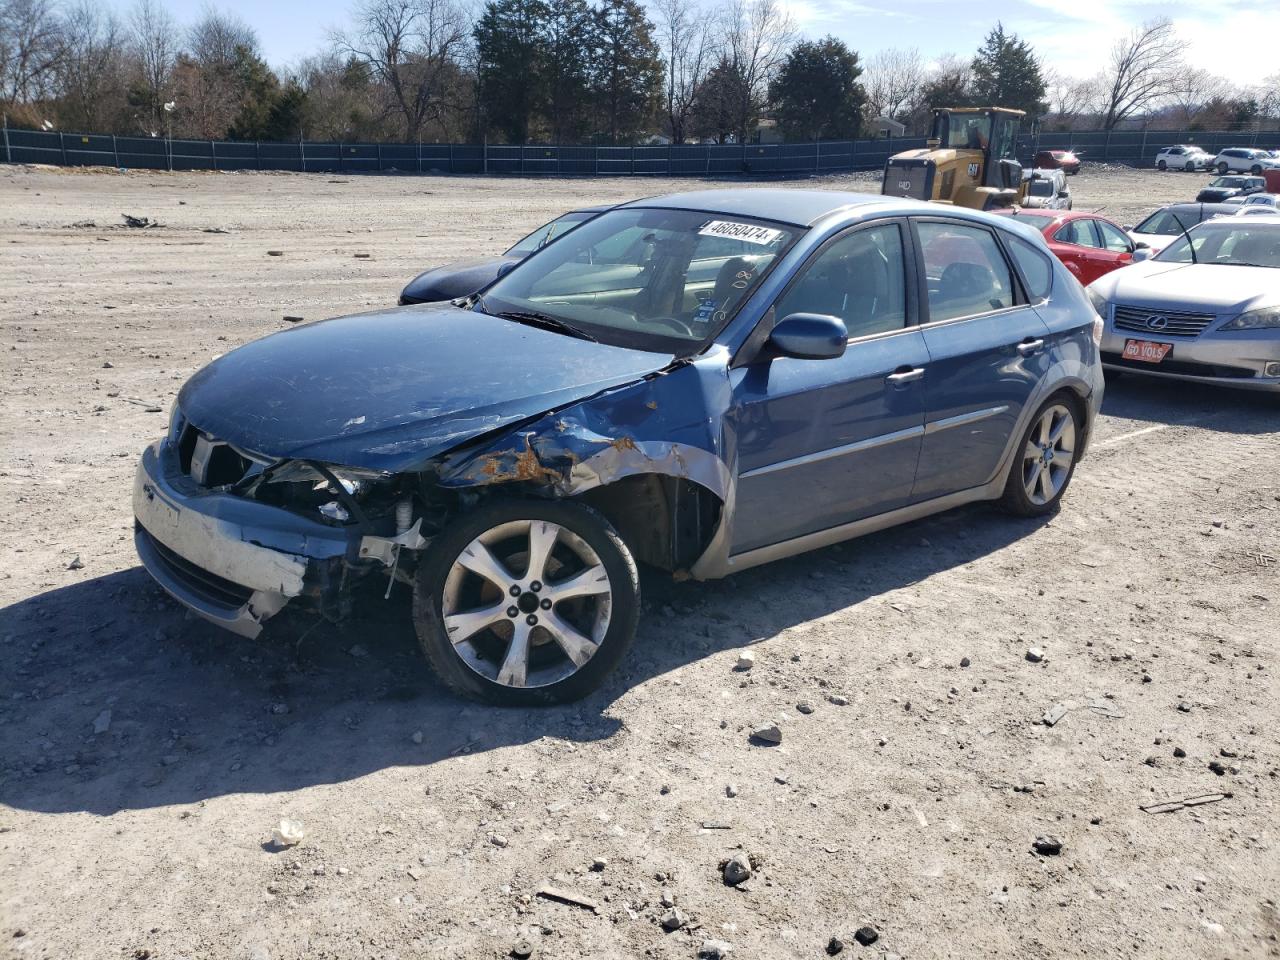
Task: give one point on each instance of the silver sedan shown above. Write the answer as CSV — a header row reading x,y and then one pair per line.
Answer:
x,y
1207,308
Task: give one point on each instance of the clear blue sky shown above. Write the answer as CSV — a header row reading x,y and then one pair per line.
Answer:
x,y
1237,40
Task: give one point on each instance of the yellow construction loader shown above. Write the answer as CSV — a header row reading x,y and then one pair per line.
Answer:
x,y
971,161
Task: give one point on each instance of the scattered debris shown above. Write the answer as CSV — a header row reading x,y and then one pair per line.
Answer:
x,y
107,365
214,230
498,840
1184,707
1217,767
714,950
102,722
737,870
746,660
76,563
838,700
716,825
290,318
769,733
1169,806
139,223
549,892
1179,752
834,945
598,864
731,790
1047,846
805,707
1035,654
275,253
866,935
364,256
288,833
1054,714
522,950
415,872
965,661
673,920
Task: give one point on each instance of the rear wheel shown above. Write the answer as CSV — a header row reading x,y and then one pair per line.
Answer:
x,y
1256,170
525,602
1222,168
1162,166
1046,460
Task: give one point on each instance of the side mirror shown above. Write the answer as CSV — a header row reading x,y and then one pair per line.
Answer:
x,y
1142,253
506,268
1142,245
809,336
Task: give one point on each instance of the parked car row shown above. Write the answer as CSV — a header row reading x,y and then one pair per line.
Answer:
x,y
1191,158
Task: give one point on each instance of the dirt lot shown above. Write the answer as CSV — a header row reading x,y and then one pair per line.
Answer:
x,y
911,809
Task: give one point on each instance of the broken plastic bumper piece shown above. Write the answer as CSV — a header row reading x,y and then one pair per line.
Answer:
x,y
232,561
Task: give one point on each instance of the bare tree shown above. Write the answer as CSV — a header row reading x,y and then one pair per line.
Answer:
x,y
758,34
413,48
1146,68
156,46
688,47
894,81
91,74
1070,100
31,46
1197,89
210,88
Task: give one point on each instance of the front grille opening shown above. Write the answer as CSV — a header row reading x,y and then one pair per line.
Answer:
x,y
209,586
186,447
225,466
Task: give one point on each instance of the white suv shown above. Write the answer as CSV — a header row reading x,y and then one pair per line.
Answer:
x,y
1244,160
1184,157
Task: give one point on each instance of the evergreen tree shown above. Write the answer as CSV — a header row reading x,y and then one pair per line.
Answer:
x,y
628,74
568,35
1006,73
717,104
509,45
816,94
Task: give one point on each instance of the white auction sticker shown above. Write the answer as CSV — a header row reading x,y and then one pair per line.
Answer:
x,y
747,232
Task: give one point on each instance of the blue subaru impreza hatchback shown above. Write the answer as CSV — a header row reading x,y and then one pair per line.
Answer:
x,y
701,382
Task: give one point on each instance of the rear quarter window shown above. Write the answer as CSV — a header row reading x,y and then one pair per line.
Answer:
x,y
1034,265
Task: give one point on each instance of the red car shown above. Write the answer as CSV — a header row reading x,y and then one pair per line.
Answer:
x,y
1088,244
1068,162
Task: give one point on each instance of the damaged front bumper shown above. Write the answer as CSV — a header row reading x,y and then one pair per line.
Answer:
x,y
230,560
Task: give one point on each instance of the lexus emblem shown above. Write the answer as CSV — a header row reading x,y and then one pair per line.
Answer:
x,y
1157,322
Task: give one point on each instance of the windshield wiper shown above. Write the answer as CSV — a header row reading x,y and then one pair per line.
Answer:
x,y
546,322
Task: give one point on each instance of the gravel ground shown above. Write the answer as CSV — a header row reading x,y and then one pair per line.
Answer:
x,y
146,757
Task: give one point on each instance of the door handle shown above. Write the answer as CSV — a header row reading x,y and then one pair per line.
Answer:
x,y
1029,347
905,375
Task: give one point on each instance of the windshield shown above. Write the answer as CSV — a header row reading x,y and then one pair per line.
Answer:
x,y
1041,188
1165,222
965,131
1227,182
662,280
1224,242
548,232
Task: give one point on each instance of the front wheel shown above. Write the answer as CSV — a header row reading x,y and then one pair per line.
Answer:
x,y
1162,166
1256,170
526,602
1222,168
1045,461
1190,167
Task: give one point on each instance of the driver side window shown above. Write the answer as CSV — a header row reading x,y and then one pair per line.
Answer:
x,y
1113,239
859,278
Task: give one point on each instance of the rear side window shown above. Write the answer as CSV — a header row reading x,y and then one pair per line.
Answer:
x,y
1113,239
1037,271
964,269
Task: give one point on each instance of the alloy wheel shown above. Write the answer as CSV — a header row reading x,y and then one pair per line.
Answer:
x,y
1048,455
526,604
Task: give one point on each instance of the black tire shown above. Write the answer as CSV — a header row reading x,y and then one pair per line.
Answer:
x,y
1162,166
580,520
1016,499
1190,167
1222,168
1256,170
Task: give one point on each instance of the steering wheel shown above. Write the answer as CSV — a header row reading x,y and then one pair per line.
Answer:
x,y
678,325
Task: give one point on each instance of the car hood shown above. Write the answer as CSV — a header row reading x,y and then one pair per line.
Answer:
x,y
453,280
1224,290
390,390
1213,194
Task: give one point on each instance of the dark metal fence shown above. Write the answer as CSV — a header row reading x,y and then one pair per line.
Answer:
x,y
1136,148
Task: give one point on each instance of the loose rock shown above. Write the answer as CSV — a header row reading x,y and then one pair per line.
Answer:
x,y
834,946
746,660
1047,846
737,870
673,919
838,700
805,707
1035,654
770,733
598,864
288,833
866,935
102,722
714,950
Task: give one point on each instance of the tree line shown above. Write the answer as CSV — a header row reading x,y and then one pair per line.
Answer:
x,y
565,71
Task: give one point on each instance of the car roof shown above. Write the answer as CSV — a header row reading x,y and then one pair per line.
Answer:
x,y
1189,207
801,208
